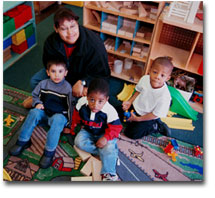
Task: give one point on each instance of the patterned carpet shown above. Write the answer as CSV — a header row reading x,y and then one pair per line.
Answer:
x,y
139,160
147,155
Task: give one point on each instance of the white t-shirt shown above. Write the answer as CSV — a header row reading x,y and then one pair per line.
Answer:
x,y
156,101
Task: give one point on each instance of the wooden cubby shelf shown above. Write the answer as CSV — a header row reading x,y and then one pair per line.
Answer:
x,y
129,35
180,40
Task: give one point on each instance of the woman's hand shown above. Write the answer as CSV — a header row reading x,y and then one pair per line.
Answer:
x,y
77,89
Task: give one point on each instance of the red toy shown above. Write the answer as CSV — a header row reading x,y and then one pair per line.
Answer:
x,y
168,148
197,151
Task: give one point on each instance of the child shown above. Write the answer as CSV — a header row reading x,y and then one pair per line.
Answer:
x,y
52,105
150,101
101,127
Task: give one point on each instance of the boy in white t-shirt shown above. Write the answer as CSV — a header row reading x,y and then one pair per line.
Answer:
x,y
150,102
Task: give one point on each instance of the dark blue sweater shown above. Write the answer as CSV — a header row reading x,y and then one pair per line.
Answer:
x,y
55,97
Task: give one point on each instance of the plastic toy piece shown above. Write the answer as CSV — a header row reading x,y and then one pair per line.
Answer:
x,y
127,115
174,144
84,155
173,155
198,151
126,92
8,120
180,105
168,148
178,123
6,176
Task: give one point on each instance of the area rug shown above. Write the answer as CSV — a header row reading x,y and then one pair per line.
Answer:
x,y
139,160
147,154
13,112
25,167
66,163
14,96
11,125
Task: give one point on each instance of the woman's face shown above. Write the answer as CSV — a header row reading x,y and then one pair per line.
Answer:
x,y
68,31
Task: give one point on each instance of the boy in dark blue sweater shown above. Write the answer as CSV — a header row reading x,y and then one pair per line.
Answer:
x,y
52,105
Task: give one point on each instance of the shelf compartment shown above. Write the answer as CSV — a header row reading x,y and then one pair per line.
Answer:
x,y
194,63
177,37
132,75
179,56
92,21
89,5
16,57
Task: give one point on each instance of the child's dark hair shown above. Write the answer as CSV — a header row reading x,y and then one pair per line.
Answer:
x,y
165,61
56,61
62,14
99,85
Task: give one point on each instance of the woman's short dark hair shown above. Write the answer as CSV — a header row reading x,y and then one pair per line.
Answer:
x,y
62,14
99,85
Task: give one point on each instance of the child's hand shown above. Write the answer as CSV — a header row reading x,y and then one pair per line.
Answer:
x,y
101,142
126,105
39,106
133,117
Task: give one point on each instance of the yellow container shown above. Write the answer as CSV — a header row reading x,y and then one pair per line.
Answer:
x,y
75,3
19,37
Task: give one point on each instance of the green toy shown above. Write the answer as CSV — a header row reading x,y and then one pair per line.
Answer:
x,y
180,105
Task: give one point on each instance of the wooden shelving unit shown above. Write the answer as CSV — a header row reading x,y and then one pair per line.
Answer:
x,y
8,5
181,42
148,24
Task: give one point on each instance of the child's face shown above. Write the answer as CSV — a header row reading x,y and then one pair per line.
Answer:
x,y
158,75
57,73
96,101
68,31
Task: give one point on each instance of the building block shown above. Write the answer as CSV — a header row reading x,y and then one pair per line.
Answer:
x,y
82,178
8,25
96,170
126,92
19,37
88,167
83,154
173,155
29,31
7,42
19,49
178,123
142,11
7,54
168,148
31,40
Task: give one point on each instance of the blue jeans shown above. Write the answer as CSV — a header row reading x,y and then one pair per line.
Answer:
x,y
36,78
108,154
38,116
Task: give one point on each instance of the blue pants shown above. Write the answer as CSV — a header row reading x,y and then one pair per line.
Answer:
x,y
38,116
108,154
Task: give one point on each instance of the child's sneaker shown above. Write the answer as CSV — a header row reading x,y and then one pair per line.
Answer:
x,y
109,177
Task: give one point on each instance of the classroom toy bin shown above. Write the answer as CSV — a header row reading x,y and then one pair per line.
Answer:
x,y
19,49
21,15
8,25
